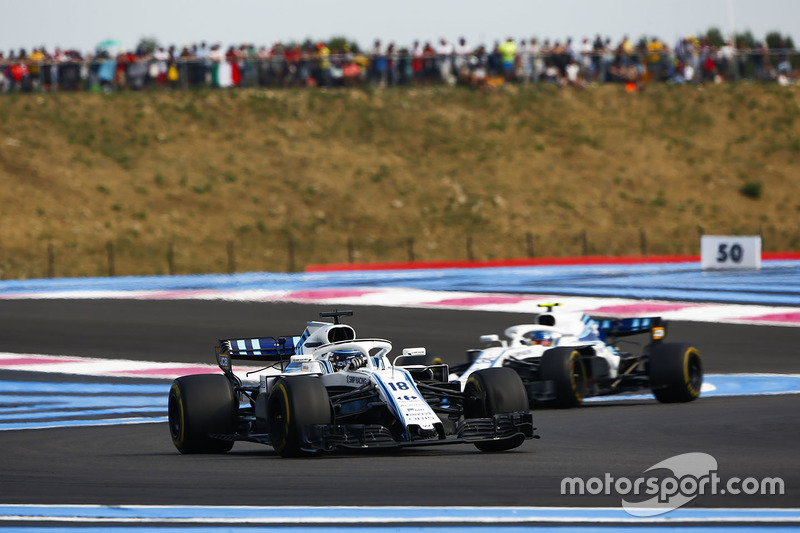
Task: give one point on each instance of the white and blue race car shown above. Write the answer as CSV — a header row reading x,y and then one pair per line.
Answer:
x,y
566,356
327,389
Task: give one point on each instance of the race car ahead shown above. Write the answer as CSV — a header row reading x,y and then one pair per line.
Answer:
x,y
326,389
567,356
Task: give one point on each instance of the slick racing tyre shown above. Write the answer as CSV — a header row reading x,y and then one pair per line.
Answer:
x,y
495,391
295,402
676,372
565,368
200,407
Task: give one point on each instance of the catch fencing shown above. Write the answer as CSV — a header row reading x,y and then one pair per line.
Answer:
x,y
141,257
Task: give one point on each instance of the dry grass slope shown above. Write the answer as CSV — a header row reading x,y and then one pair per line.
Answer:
x,y
178,180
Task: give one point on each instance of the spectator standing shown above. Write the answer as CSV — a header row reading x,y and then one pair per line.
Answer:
x,y
494,62
628,50
759,57
106,72
232,59
707,56
351,72
654,55
477,67
524,67
203,75
537,59
461,56
391,64
161,58
417,62
784,65
404,73
598,57
725,60
570,52
304,77
508,55
324,58
694,50
248,59
292,57
377,64
220,68
3,73
430,63
35,66
69,70
586,52
137,70
444,53
278,66
561,59
573,77
742,53
20,73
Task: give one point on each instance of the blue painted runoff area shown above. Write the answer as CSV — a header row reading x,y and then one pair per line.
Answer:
x,y
41,404
776,283
197,518
431,529
729,385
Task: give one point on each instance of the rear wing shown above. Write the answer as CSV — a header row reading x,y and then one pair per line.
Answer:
x,y
624,327
259,349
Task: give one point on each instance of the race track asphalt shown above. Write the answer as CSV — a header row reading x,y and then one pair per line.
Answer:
x,y
136,464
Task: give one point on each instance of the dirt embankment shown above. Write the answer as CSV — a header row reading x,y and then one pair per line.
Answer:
x,y
213,181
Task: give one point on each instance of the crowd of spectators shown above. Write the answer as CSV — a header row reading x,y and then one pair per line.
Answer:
x,y
560,62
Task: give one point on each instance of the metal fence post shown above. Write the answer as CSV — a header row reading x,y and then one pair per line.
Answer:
x,y
51,261
291,267
171,258
642,242
110,254
231,258
529,244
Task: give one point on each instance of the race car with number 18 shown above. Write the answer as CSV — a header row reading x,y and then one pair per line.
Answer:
x,y
326,390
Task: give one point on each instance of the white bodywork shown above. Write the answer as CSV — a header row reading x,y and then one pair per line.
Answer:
x,y
313,356
567,328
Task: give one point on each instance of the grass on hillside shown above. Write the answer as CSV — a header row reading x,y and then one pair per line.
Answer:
x,y
252,180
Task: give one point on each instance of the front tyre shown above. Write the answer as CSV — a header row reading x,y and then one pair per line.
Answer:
x,y
565,368
495,391
200,407
296,402
676,372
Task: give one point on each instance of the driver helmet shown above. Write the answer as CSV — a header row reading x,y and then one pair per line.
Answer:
x,y
542,338
340,359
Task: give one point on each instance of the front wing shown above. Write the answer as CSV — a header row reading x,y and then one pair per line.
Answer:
x,y
361,436
327,437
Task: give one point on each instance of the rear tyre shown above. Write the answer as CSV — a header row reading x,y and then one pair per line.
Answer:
x,y
495,391
565,368
201,406
676,372
295,402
